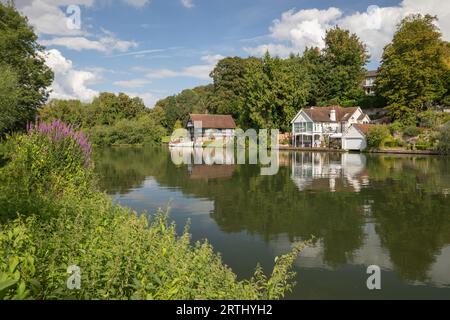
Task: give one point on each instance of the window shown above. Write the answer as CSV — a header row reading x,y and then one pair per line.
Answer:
x,y
303,127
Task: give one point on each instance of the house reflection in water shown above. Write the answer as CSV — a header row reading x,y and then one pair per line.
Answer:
x,y
205,163
329,171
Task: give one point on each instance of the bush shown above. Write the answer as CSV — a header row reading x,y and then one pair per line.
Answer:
x,y
143,130
396,127
376,136
444,139
390,142
120,255
411,131
433,119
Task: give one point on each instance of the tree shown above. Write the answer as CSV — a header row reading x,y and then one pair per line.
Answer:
x,y
413,75
21,54
274,92
9,95
178,107
344,58
229,78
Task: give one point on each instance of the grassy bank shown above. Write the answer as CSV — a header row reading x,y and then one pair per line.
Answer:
x,y
53,216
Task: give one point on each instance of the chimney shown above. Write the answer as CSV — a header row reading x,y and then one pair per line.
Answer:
x,y
333,115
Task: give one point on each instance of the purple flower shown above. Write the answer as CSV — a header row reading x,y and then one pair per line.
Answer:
x,y
58,131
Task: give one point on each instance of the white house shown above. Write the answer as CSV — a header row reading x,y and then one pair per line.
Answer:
x,y
355,137
369,82
316,126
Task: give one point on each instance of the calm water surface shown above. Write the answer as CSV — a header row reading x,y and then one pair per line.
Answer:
x,y
388,210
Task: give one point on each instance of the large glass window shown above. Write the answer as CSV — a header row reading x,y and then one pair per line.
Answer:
x,y
300,127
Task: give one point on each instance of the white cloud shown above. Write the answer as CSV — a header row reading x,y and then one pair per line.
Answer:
x,y
106,44
296,30
69,83
199,71
148,98
133,83
137,3
47,16
187,3
139,53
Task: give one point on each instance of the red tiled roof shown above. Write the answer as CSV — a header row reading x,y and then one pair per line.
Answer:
x,y
364,128
372,73
322,114
214,121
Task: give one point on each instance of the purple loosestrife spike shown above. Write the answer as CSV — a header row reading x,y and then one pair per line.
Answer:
x,y
58,130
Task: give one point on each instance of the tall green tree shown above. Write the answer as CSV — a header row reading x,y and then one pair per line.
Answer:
x,y
274,93
229,85
344,58
23,66
413,74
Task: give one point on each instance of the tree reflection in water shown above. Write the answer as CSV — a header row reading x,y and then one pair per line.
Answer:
x,y
359,207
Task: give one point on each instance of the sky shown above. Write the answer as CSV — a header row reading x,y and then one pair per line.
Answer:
x,y
156,48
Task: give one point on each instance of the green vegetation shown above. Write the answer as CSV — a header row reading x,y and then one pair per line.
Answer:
x,y
444,139
53,216
110,119
414,75
178,107
376,137
24,77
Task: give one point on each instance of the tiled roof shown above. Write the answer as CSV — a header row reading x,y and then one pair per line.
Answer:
x,y
214,121
322,114
364,128
362,116
372,73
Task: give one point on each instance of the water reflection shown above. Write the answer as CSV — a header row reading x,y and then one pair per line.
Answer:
x,y
393,211
333,172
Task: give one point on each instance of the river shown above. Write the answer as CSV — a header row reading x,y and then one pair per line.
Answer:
x,y
392,211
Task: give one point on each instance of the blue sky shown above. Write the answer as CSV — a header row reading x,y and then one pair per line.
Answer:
x,y
155,48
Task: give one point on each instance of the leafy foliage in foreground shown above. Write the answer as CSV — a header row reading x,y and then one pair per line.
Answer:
x,y
54,217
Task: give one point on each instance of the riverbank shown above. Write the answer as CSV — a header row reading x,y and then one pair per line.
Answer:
x,y
400,151
289,148
386,151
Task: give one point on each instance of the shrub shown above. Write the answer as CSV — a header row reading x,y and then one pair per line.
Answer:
x,y
390,142
444,139
396,127
411,131
433,119
121,255
376,136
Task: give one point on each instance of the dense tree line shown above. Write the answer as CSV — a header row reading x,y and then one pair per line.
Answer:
x,y
109,119
267,92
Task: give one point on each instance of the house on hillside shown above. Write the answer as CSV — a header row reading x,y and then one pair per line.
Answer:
x,y
206,127
316,127
369,82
